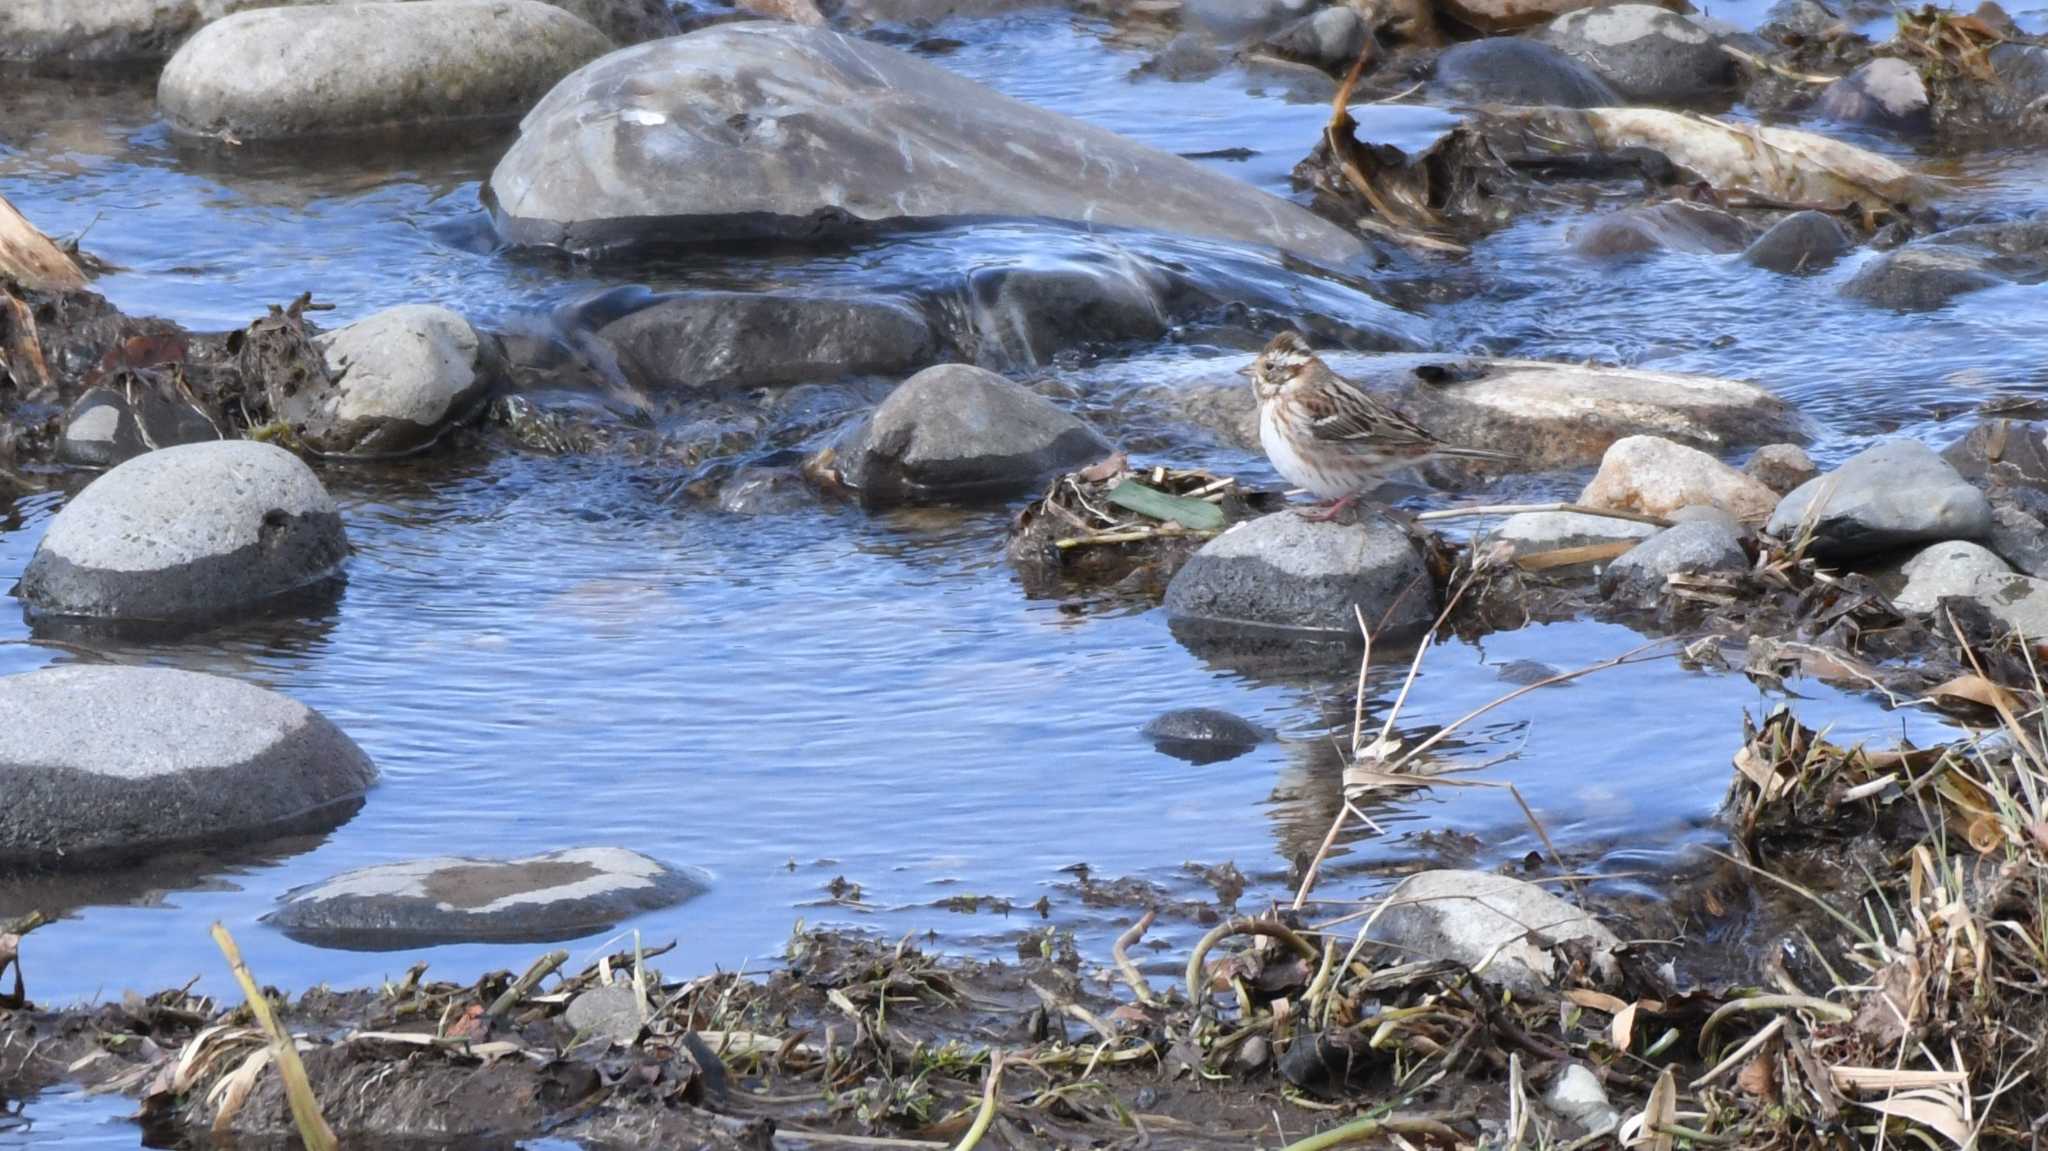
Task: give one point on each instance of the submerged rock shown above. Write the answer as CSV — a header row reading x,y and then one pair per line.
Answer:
x,y
1672,226
539,898
104,762
1921,277
959,432
1203,735
1639,576
721,341
1475,917
275,73
1512,70
1646,53
1282,571
187,533
1801,242
1886,93
1780,467
1888,496
107,426
398,380
770,129
1025,313
1952,567
1657,477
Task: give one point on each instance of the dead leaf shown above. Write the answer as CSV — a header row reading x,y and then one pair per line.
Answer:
x,y
1597,1000
1975,690
1103,471
1661,1112
1930,1110
1759,1077
1622,1030
233,1089
472,1025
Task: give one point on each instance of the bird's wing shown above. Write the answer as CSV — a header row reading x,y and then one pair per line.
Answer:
x,y
1339,412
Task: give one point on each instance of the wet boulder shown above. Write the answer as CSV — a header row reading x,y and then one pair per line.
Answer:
x,y
1329,38
1949,568
1023,313
960,432
397,381
535,899
1886,93
1474,917
102,763
108,425
1891,495
311,70
1513,70
187,533
1672,226
1287,573
722,341
771,129
1646,53
1801,242
1780,467
100,32
1922,277
1639,576
1203,734
1657,477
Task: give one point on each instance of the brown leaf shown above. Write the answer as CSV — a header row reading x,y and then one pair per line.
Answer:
x,y
1597,1000
1986,834
1622,1030
21,352
1759,1077
1103,471
1974,690
1661,1112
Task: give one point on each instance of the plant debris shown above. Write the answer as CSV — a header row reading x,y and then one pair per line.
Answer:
x,y
1111,524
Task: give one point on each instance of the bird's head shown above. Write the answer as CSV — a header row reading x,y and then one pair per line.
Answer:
x,y
1286,357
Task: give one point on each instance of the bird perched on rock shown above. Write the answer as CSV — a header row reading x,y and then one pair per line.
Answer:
x,y
1323,433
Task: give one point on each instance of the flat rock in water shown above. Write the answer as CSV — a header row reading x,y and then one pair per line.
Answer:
x,y
1801,242
1640,575
1203,734
1471,916
1657,477
1922,277
1284,572
1888,496
960,432
1533,533
1648,54
1886,93
540,898
107,426
1780,467
398,380
773,129
1025,313
310,70
1949,568
187,533
104,763
1513,70
722,341
1672,226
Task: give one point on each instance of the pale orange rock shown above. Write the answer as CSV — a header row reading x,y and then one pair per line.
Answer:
x,y
1656,477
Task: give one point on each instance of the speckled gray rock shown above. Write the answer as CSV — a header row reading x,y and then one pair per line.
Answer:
x,y
1330,38
720,341
399,379
1647,54
612,1013
1529,533
1287,572
559,895
1888,496
2019,537
1780,467
1471,916
186,533
770,129
1203,734
1513,70
1672,226
1639,576
1921,277
1885,93
309,70
107,426
960,432
101,763
1801,242
2019,602
1949,568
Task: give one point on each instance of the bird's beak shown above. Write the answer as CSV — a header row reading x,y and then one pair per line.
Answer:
x,y
1247,370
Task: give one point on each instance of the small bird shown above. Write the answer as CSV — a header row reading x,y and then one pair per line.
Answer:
x,y
1326,435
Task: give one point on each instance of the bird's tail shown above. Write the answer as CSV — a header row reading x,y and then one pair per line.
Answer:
x,y
1477,455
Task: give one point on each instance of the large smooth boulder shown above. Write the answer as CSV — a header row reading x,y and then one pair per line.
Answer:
x,y
1922,277
1801,242
1885,93
1888,496
1639,576
1514,70
101,762
108,425
1475,917
960,432
1657,477
720,341
1646,53
770,129
187,533
1283,571
275,73
539,898
1672,226
398,380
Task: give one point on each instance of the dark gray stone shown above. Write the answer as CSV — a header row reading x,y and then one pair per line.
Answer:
x,y
1475,917
102,763
1647,54
722,341
2002,451
2019,537
626,21
107,426
1203,734
536,899
1780,467
1671,226
1330,38
1801,242
1921,277
1023,314
319,69
1638,577
1797,21
1888,496
1885,93
961,432
1512,70
1282,571
770,129
398,380
187,533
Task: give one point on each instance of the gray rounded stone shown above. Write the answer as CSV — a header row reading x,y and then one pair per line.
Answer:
x,y
309,70
960,432
1672,226
721,341
1888,496
1283,571
1517,71
1203,734
107,426
399,379
1921,278
1801,242
538,898
611,1012
186,533
1475,917
1646,53
1639,576
1949,568
1330,38
771,129
1885,93
100,763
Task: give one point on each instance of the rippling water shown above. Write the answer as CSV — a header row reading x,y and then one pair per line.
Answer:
x,y
545,652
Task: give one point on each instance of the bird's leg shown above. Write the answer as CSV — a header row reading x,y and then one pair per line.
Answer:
x,y
1324,513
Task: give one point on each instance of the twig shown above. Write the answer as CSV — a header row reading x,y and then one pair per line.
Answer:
x,y
988,1104
1834,1012
1518,509
1130,971
313,1129
1372,1127
1266,927
1756,61
540,970
1740,1053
